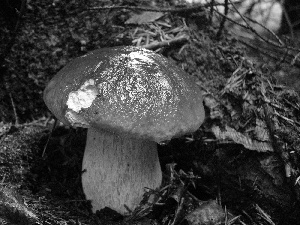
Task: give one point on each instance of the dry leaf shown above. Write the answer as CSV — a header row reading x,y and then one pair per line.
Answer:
x,y
261,131
208,213
214,106
144,17
237,137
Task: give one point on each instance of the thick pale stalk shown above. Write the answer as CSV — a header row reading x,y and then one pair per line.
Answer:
x,y
117,168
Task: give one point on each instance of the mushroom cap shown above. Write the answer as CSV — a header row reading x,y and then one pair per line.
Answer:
x,y
126,90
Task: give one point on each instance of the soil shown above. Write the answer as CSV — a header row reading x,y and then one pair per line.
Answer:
x,y
40,160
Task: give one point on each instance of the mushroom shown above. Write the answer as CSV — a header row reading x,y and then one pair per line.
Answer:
x,y
130,99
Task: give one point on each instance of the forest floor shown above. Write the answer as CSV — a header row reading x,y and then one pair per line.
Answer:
x,y
240,167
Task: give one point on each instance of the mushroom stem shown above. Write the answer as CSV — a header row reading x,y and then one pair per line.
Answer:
x,y
117,169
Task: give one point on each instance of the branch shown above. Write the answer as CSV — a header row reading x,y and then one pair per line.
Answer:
x,y
248,27
222,24
151,9
156,45
282,54
17,121
288,21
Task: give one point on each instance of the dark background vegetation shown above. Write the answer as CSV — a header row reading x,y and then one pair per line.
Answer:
x,y
47,36
41,38
38,38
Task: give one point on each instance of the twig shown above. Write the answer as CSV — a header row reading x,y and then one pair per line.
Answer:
x,y
284,54
264,215
211,11
248,27
222,24
17,121
50,135
280,46
294,123
178,211
267,29
294,61
231,20
289,23
156,45
247,24
151,9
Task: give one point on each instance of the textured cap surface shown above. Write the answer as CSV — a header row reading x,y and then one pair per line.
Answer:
x,y
126,89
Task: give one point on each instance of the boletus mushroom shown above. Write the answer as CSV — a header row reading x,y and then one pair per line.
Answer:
x,y
130,99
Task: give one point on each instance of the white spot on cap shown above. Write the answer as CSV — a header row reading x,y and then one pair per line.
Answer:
x,y
138,57
84,97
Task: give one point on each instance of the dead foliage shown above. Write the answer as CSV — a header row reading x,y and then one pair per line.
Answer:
x,y
240,167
